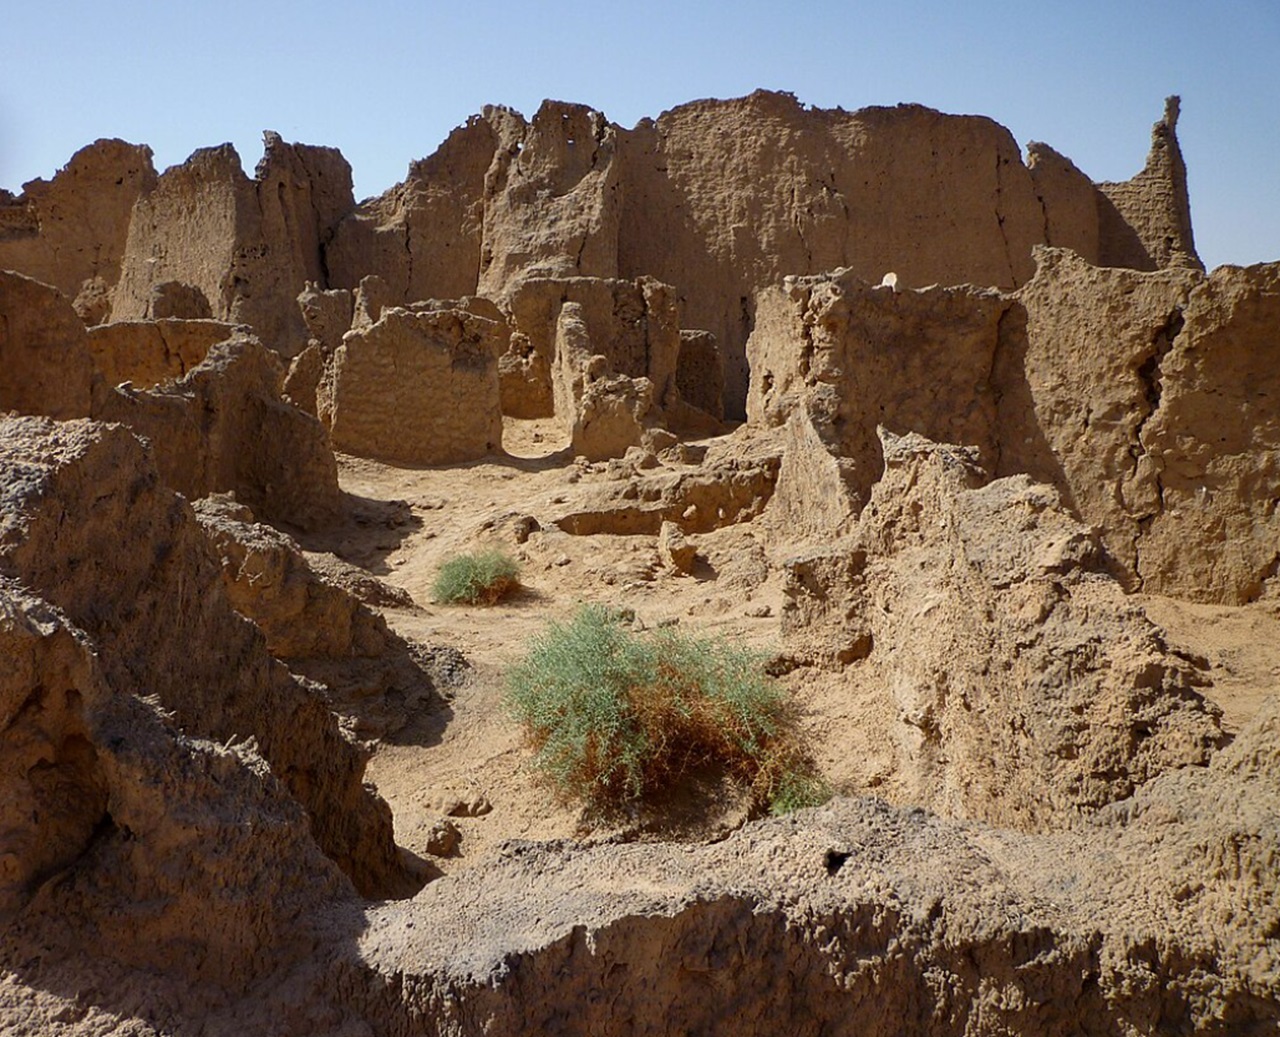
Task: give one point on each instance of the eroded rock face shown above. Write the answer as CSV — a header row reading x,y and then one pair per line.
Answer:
x,y
1025,690
186,859
223,427
45,366
1146,399
88,525
419,387
1150,400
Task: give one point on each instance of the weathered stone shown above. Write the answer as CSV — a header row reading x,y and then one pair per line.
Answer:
x,y
72,229
1145,223
251,246
87,524
674,550
175,299
1022,688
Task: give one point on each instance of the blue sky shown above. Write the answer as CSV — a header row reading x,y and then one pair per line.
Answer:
x,y
385,80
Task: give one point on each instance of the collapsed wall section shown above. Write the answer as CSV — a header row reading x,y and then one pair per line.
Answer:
x,y
88,525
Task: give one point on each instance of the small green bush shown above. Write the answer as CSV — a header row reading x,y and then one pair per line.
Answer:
x,y
477,579
613,717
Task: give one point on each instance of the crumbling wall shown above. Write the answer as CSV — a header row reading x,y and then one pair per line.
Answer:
x,y
72,229
147,353
223,427
45,366
700,372
833,358
552,198
1145,222
1018,685
419,387
633,325
185,859
89,526
423,236
1150,399
248,245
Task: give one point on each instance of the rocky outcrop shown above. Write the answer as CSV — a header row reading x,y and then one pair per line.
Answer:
x,y
978,617
419,386
45,366
88,526
1145,222
223,427
146,353
72,229
252,244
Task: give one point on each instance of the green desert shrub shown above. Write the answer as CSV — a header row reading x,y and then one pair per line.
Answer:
x,y
482,578
614,717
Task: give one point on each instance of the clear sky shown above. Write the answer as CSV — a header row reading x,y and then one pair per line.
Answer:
x,y
385,80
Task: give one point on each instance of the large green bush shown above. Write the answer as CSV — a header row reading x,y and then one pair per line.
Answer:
x,y
483,578
614,717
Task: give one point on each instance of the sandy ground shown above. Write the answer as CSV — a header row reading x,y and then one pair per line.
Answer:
x,y
466,756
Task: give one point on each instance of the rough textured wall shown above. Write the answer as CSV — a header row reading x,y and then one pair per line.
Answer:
x,y
979,622
552,204
422,237
1152,401
418,387
1145,222
88,525
153,351
72,228
700,372
633,325
183,858
723,198
223,427
45,365
833,358
1148,400
249,245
